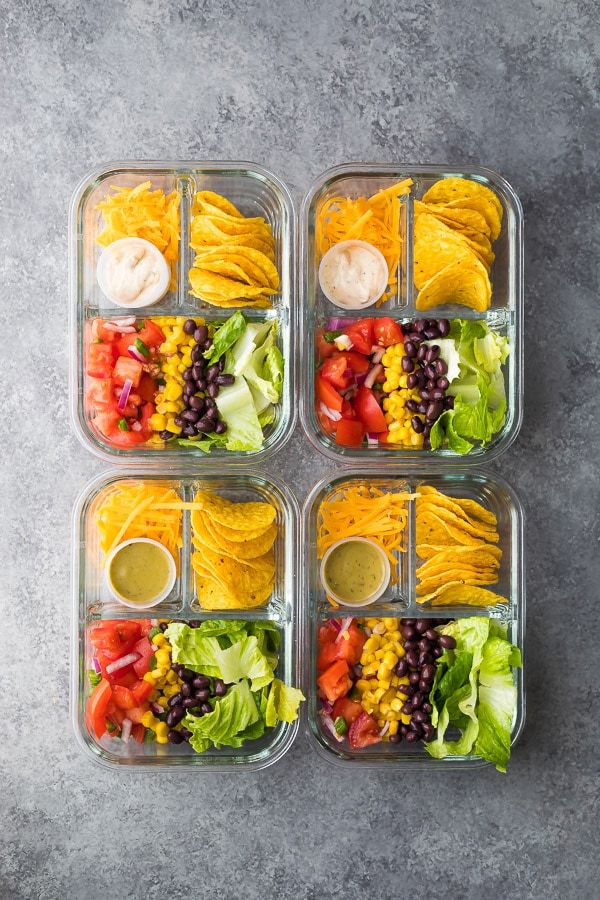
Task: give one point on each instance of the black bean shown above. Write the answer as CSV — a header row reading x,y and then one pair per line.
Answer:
x,y
437,652
437,394
187,674
189,702
443,326
428,732
196,354
430,385
410,622
176,667
416,700
408,632
420,324
201,384
179,421
204,425
421,625
213,390
200,334
197,403
395,738
177,698
407,708
202,694
427,707
207,344
206,708
449,403
211,412
166,435
440,366
163,626
424,394
224,380
430,372
412,405
442,383
401,668
197,371
410,349
447,642
434,352
190,415
424,645
431,634
220,689
414,678
417,424
428,672
189,431
412,658
194,623
221,427
186,690
200,681
189,326
188,375
419,716
185,734
174,737
422,352
424,686
196,711
175,716
422,408
424,659
212,372
431,333
412,380
434,410
407,364
412,737
156,709
427,428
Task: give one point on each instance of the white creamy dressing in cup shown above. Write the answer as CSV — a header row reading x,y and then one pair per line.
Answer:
x,y
353,274
132,272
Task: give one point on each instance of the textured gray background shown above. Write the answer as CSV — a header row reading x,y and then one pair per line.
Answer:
x,y
299,87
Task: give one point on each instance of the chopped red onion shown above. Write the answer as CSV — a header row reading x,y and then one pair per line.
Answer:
x,y
97,667
337,324
124,395
360,379
372,439
123,320
126,660
126,730
329,726
135,353
373,375
378,355
327,707
337,625
384,730
330,413
136,426
346,623
343,342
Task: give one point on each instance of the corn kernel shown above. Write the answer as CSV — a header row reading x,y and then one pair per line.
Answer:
x,y
404,680
378,694
379,654
372,643
172,426
405,718
396,705
361,685
172,677
162,730
149,677
384,683
393,729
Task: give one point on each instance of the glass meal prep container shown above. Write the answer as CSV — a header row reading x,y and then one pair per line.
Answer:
x,y
399,600
92,605
505,314
256,192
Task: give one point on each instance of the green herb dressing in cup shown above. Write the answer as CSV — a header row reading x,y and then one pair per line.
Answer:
x,y
140,573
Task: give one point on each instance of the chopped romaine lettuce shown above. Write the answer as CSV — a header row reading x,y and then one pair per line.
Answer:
x,y
226,336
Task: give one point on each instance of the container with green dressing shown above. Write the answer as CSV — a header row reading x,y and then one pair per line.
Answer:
x,y
140,573
355,571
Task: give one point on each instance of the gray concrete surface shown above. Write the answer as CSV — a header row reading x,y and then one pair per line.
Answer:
x,y
299,87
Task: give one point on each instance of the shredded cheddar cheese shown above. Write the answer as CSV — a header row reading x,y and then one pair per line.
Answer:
x,y
140,212
133,510
374,219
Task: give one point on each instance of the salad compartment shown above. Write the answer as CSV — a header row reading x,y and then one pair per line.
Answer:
x,y
504,314
257,193
400,601
93,606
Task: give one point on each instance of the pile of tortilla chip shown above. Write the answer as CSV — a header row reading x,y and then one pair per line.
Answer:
x,y
233,559
456,223
458,540
235,255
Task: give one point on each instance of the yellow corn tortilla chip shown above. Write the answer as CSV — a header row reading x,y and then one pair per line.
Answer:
x,y
464,507
233,225
455,218
212,595
254,263
427,550
465,282
449,191
477,531
226,288
217,200
245,517
205,234
462,594
224,267
427,585
441,562
489,212
433,529
435,247
240,550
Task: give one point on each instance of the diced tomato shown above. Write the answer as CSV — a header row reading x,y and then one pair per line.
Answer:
x,y
141,691
99,361
123,698
151,334
359,363
144,648
328,395
147,388
100,393
387,332
115,714
336,681
327,633
348,411
348,648
127,368
123,343
349,433
369,410
125,677
146,411
95,714
116,635
363,732
135,713
324,348
327,424
361,335
348,709
105,422
100,333
138,733
336,372
146,626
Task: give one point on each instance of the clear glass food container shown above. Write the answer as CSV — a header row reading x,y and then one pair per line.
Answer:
x,y
400,600
92,603
256,192
504,315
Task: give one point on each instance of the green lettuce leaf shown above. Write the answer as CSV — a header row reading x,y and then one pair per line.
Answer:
x,y
258,375
490,351
244,659
267,417
192,649
204,442
237,410
497,701
450,355
273,368
231,717
226,336
241,352
282,703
